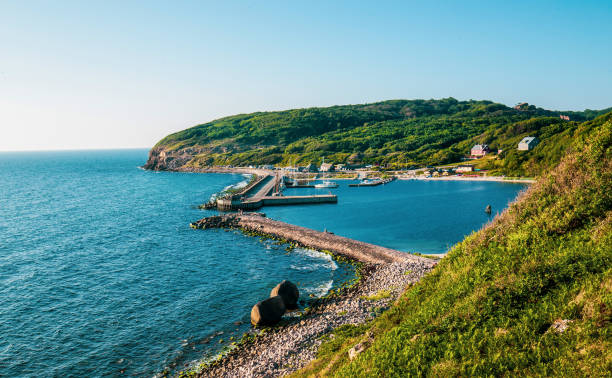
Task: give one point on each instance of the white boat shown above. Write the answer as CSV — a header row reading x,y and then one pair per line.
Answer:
x,y
326,184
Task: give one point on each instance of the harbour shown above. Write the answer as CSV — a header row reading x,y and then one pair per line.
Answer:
x,y
267,190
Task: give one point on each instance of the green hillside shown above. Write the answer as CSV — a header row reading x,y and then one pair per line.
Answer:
x,y
496,305
393,133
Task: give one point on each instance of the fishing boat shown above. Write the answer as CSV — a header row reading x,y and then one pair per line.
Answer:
x,y
326,184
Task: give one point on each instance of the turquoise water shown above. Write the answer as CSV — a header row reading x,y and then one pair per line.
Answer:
x,y
101,275
408,215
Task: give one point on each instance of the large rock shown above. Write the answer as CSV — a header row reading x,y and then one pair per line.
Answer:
x,y
289,292
268,312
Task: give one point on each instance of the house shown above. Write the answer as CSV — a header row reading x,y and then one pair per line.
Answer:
x,y
464,168
528,143
479,150
326,167
340,167
564,117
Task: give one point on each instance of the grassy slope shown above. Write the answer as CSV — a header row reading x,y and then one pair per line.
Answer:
x,y
391,132
487,307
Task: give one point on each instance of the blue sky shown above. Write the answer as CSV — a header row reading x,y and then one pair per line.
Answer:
x,y
111,74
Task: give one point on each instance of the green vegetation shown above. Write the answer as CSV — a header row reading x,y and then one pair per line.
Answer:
x,y
394,133
489,306
378,296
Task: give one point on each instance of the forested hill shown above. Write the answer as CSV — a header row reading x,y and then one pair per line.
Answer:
x,y
530,294
391,133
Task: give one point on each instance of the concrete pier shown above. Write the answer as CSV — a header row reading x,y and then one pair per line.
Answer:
x,y
259,194
310,238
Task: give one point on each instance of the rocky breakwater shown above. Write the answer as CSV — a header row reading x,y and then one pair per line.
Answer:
x,y
306,237
281,350
221,221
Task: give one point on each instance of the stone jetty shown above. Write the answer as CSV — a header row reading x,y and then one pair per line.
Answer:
x,y
284,349
306,237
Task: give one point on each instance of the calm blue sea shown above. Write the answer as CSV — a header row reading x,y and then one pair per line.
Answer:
x,y
100,274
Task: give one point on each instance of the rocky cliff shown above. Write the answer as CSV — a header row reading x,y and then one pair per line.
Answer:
x,y
163,159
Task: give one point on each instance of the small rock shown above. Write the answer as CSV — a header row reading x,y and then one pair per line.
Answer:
x,y
559,325
354,351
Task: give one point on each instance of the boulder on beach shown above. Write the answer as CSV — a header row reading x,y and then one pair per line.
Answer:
x,y
289,292
268,312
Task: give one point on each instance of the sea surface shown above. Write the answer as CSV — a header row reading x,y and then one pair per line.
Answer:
x,y
100,274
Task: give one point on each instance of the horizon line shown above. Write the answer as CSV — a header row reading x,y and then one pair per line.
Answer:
x,y
77,149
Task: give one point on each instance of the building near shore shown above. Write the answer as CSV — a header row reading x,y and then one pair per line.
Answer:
x,y
326,167
528,143
464,168
479,150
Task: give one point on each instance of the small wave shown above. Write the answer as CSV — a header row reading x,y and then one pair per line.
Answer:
x,y
320,290
328,260
239,185
309,268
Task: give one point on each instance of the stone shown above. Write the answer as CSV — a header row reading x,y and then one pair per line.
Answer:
x,y
559,325
289,292
268,312
354,351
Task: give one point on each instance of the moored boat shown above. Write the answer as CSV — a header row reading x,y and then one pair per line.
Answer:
x,y
326,185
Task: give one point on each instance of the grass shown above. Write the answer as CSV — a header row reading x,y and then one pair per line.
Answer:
x,y
488,306
382,294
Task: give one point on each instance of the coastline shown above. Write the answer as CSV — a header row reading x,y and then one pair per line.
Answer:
x,y
327,176
383,275
480,178
291,345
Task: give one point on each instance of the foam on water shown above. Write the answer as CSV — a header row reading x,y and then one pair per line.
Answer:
x,y
320,259
320,290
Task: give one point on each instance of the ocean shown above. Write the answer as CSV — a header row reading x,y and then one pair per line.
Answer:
x,y
101,275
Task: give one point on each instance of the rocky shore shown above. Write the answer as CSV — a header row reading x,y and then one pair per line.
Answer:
x,y
280,350
292,345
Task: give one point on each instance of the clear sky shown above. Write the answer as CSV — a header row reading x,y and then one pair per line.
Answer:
x,y
111,74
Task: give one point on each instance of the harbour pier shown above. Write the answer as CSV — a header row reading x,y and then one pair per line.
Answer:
x,y
267,191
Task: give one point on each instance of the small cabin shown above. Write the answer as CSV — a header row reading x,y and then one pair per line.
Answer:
x,y
464,168
528,143
479,150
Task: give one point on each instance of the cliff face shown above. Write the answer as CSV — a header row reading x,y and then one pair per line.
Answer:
x,y
162,159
